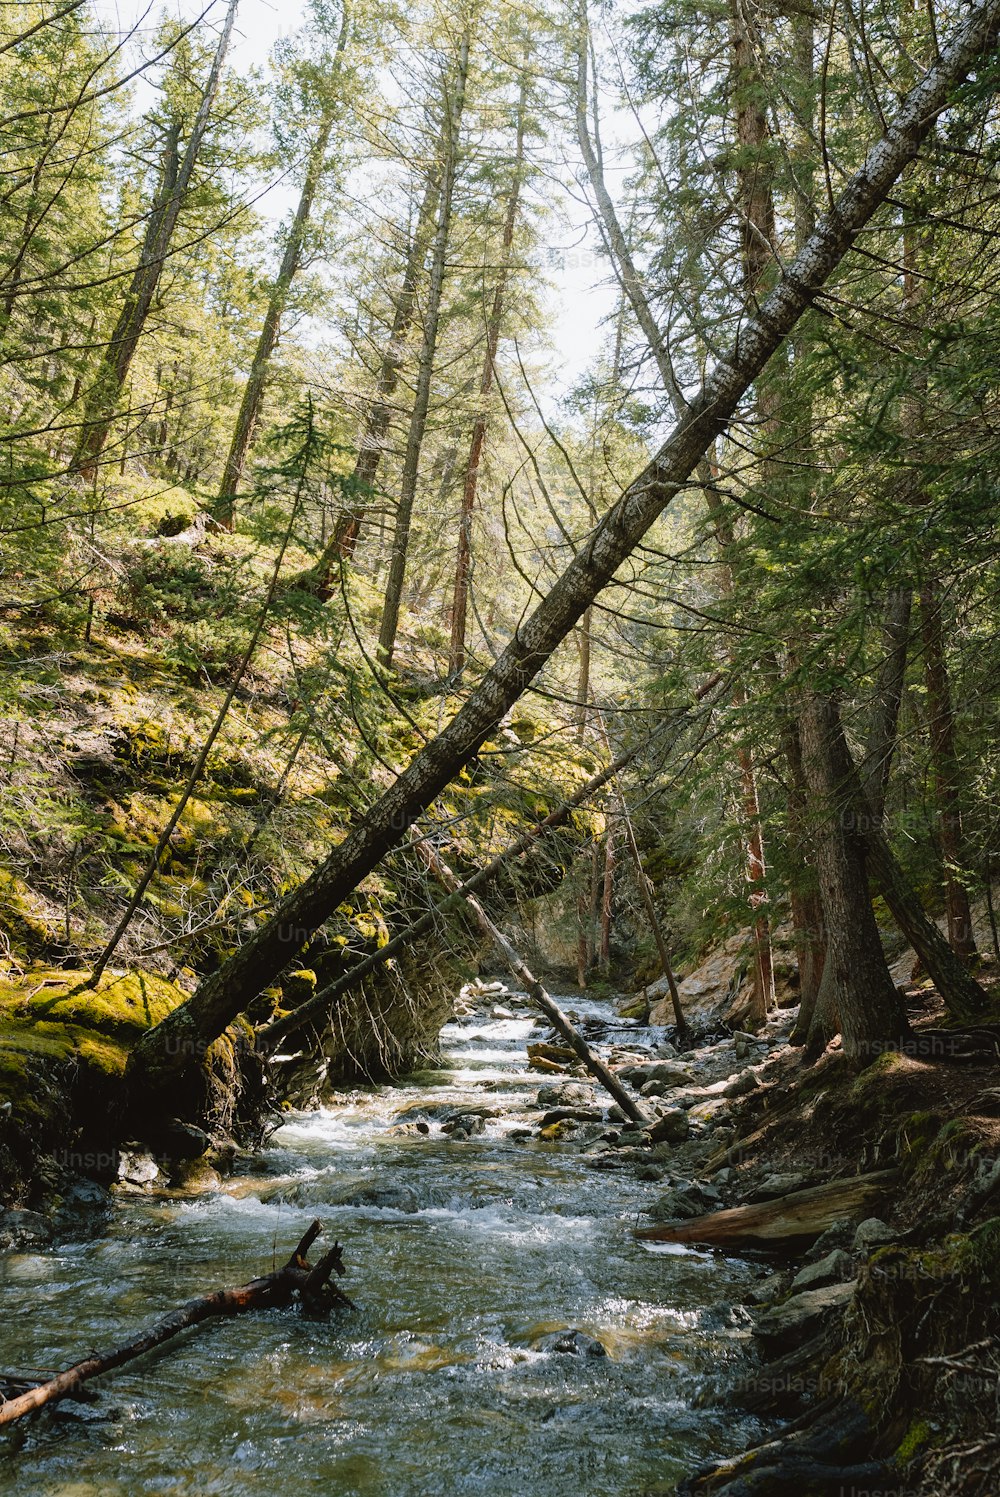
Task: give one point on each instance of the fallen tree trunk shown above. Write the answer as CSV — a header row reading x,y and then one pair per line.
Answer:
x,y
789,1220
550,1008
319,1006
297,1277
178,1043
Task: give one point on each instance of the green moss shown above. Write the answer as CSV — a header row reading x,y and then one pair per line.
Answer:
x,y
120,1007
913,1442
27,933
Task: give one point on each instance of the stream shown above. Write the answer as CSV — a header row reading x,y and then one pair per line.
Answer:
x,y
463,1256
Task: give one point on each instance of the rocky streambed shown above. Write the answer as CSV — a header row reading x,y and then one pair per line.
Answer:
x,y
511,1335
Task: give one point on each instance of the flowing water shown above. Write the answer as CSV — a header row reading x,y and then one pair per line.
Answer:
x,y
462,1256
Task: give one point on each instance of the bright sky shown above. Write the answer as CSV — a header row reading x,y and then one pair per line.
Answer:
x,y
575,307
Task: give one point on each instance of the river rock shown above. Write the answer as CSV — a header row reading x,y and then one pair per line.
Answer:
x,y
773,1186
576,1114
464,1127
137,1169
665,1073
564,1094
572,1343
23,1229
836,1268
873,1233
672,1128
840,1235
388,1197
746,1082
687,1198
802,1315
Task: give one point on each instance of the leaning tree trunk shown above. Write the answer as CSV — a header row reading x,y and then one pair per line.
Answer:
x,y
454,104
869,1014
118,356
167,1050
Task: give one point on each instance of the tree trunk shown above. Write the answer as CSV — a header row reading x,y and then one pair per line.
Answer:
x,y
311,1284
807,907
253,396
463,556
884,720
870,1017
454,103
947,778
625,1099
175,181
348,526
178,1042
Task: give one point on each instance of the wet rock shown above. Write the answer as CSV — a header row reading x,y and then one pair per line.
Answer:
x,y
564,1094
773,1186
650,1172
673,1206
801,1316
519,1134
572,1343
672,1128
746,1082
836,1268
84,1196
23,1229
663,1073
873,1233
466,1126
772,1288
632,1138
577,1114
840,1235
137,1169
389,1197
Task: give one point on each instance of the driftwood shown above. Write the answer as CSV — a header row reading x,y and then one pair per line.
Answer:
x,y
297,1278
786,1221
446,876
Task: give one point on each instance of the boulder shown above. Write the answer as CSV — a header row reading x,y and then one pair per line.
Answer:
x,y
23,1229
773,1186
565,1094
664,1073
873,1233
801,1316
672,1128
742,1085
572,1343
836,1268
387,1197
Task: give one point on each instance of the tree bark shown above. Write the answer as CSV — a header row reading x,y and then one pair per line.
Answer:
x,y
625,1099
311,1284
175,181
248,419
168,1049
869,1014
947,778
454,104
345,535
463,555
